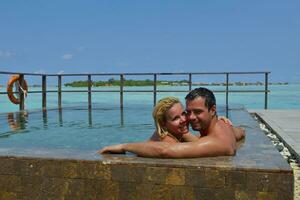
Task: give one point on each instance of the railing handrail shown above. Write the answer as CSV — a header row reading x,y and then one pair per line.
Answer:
x,y
121,90
132,74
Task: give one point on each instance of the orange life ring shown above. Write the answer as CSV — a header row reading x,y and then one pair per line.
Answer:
x,y
10,86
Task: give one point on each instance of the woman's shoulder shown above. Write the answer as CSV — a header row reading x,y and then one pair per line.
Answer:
x,y
169,138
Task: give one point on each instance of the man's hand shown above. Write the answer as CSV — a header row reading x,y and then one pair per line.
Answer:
x,y
118,148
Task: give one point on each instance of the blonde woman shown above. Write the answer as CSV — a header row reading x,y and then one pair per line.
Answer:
x,y
171,122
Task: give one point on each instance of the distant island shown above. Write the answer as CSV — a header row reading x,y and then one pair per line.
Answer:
x,y
147,82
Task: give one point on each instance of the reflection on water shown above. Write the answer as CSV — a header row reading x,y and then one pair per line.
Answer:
x,y
60,117
81,118
45,119
122,116
75,127
18,120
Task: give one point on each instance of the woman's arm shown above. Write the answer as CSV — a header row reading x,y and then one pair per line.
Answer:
x,y
189,137
206,146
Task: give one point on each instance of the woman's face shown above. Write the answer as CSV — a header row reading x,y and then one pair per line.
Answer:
x,y
176,120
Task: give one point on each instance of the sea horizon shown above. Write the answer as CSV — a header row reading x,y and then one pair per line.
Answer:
x,y
280,97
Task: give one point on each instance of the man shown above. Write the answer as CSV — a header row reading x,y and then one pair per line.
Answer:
x,y
217,138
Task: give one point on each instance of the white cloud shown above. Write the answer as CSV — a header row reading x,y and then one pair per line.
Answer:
x,y
60,72
67,56
6,54
40,71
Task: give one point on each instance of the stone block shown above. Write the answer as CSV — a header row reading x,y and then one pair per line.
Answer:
x,y
206,178
8,195
102,172
108,190
8,166
236,180
163,175
161,192
10,183
127,173
175,176
260,181
182,193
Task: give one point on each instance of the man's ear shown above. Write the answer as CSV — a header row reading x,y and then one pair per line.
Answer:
x,y
213,110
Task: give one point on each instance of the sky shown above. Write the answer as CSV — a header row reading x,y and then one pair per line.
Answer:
x,y
97,36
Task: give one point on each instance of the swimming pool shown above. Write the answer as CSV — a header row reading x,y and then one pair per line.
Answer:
x,y
53,155
77,128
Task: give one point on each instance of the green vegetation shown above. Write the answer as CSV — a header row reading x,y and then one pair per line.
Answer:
x,y
113,82
147,82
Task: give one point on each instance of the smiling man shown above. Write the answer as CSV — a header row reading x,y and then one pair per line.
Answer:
x,y
217,138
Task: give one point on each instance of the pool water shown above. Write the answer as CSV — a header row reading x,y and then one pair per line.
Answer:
x,y
76,128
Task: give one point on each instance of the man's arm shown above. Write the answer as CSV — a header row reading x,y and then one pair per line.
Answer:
x,y
204,147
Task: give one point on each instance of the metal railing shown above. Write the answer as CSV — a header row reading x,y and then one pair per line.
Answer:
x,y
122,91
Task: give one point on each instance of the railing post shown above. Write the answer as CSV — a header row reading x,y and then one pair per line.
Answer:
x,y
227,87
121,90
190,81
154,89
21,93
89,91
44,92
59,92
266,91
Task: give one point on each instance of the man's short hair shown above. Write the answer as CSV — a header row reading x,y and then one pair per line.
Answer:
x,y
205,93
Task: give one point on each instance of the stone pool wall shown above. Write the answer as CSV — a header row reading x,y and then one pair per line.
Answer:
x,y
25,178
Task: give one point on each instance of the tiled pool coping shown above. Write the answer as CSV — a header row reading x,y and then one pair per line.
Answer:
x,y
257,171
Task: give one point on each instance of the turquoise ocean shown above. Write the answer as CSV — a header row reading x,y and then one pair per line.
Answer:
x,y
280,97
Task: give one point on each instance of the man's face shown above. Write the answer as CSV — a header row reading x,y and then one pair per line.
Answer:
x,y
198,115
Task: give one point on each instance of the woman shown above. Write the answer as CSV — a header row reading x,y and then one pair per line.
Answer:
x,y
171,122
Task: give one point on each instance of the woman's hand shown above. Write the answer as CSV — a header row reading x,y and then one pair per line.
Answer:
x,y
239,133
225,120
118,148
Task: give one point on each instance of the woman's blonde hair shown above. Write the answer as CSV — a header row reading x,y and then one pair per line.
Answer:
x,y
159,114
